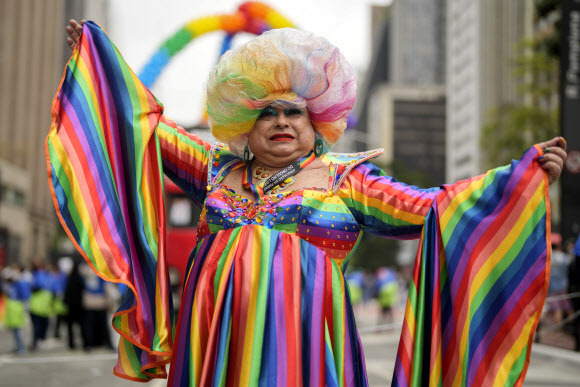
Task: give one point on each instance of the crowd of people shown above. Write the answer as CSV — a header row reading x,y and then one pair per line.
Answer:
x,y
383,286
562,311
46,297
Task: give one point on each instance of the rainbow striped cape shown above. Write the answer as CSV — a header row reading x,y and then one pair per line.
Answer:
x,y
479,281
105,175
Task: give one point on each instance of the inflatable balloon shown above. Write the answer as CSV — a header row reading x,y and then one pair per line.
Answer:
x,y
252,16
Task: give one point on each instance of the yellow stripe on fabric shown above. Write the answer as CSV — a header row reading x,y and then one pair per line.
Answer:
x,y
491,262
195,345
410,319
151,212
95,105
88,239
388,209
338,321
435,375
248,345
507,243
125,360
457,201
123,350
161,322
515,351
166,132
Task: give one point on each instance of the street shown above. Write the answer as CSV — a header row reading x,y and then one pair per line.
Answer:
x,y
55,366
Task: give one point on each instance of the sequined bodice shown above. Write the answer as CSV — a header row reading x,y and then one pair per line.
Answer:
x,y
315,215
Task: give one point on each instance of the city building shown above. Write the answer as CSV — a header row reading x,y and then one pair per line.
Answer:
x,y
32,59
409,123
482,38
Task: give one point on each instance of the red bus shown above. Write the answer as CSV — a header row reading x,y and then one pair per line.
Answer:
x,y
182,217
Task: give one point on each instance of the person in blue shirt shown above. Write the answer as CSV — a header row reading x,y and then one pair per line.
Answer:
x,y
17,292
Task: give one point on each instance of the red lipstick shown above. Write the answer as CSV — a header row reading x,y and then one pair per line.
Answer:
x,y
282,137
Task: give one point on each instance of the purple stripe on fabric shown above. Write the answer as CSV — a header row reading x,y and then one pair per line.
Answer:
x,y
120,179
185,314
400,375
294,200
183,174
104,202
317,319
483,226
362,357
535,270
348,366
281,345
322,232
427,194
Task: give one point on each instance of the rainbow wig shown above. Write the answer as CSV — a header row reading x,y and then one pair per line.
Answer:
x,y
284,65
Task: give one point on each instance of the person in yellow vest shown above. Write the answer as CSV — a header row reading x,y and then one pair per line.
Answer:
x,y
40,302
17,292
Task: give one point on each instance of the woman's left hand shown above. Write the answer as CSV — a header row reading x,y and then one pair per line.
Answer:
x,y
554,157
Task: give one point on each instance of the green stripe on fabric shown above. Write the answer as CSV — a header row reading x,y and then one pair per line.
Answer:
x,y
87,87
192,369
221,262
139,142
420,326
224,370
133,359
325,207
261,302
71,205
517,368
506,260
288,228
413,298
337,322
376,213
465,205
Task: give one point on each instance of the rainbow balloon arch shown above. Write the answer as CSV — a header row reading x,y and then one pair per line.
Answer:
x,y
253,17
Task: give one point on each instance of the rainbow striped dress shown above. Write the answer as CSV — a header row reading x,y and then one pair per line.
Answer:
x,y
265,301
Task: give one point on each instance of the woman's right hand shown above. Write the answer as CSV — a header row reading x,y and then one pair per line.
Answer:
x,y
74,31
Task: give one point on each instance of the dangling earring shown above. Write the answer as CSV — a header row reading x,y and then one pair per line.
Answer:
x,y
318,147
246,157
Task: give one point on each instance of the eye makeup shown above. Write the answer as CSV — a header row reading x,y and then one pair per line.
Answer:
x,y
269,111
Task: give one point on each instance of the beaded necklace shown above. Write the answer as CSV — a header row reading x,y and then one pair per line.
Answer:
x,y
280,179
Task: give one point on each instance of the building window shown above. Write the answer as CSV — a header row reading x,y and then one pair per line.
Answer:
x,y
12,196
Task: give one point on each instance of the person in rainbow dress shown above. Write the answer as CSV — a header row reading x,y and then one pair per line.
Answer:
x,y
265,301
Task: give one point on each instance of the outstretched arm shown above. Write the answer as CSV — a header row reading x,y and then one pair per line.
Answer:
x,y
554,157
184,155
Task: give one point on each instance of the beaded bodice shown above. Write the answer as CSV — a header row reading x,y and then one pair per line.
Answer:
x,y
318,216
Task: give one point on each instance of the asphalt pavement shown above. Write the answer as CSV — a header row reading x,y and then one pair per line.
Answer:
x,y
54,365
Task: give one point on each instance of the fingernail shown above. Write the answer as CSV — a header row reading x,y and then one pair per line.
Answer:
x,y
546,150
540,158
